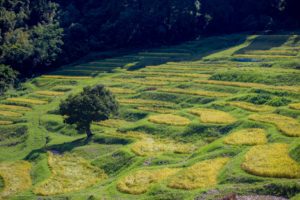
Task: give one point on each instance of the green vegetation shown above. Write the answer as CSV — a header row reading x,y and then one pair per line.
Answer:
x,y
199,127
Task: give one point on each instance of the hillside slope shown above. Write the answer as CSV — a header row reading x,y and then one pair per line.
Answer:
x,y
200,120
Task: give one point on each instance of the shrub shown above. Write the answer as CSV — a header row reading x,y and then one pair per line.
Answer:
x,y
271,160
200,175
253,136
169,119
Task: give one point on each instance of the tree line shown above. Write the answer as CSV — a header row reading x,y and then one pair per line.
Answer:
x,y
37,35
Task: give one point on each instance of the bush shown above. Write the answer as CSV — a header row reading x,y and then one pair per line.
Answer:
x,y
8,78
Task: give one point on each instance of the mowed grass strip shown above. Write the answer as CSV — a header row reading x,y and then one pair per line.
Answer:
x,y
251,136
16,178
117,90
145,102
139,182
287,125
65,77
26,100
195,92
295,106
213,116
69,173
9,113
50,93
271,160
201,175
169,119
149,146
14,108
250,85
251,107
4,122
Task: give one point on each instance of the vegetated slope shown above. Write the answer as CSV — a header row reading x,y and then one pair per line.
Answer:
x,y
204,119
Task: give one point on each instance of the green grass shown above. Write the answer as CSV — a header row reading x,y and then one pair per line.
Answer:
x,y
180,106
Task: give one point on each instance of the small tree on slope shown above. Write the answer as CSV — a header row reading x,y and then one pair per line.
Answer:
x,y
92,104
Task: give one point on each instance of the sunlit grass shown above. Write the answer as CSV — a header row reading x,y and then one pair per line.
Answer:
x,y
271,160
287,125
213,116
200,175
196,92
295,106
25,100
69,173
169,119
251,107
140,181
251,136
16,177
9,114
50,93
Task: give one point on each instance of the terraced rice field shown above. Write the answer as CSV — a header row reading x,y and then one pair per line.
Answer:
x,y
200,120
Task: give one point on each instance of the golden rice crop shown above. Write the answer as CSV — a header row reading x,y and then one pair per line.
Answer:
x,y
13,107
10,113
169,119
251,107
161,110
117,90
65,77
25,100
196,92
69,173
166,74
251,136
142,82
295,106
213,116
169,79
263,56
145,102
287,125
16,178
250,85
271,160
140,181
50,93
200,175
112,123
280,52
149,146
5,122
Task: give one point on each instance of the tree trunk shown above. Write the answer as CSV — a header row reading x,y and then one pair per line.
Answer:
x,y
88,132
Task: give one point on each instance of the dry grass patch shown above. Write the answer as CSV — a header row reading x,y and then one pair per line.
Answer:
x,y
116,90
196,92
50,93
29,101
140,181
169,119
13,107
16,178
201,175
149,146
144,102
251,136
251,107
5,122
112,123
213,116
271,160
295,106
287,125
161,110
65,77
9,114
69,173
250,85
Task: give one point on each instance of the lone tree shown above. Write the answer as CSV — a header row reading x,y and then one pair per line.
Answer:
x,y
92,104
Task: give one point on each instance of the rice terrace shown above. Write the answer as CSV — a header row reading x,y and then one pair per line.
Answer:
x,y
149,100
